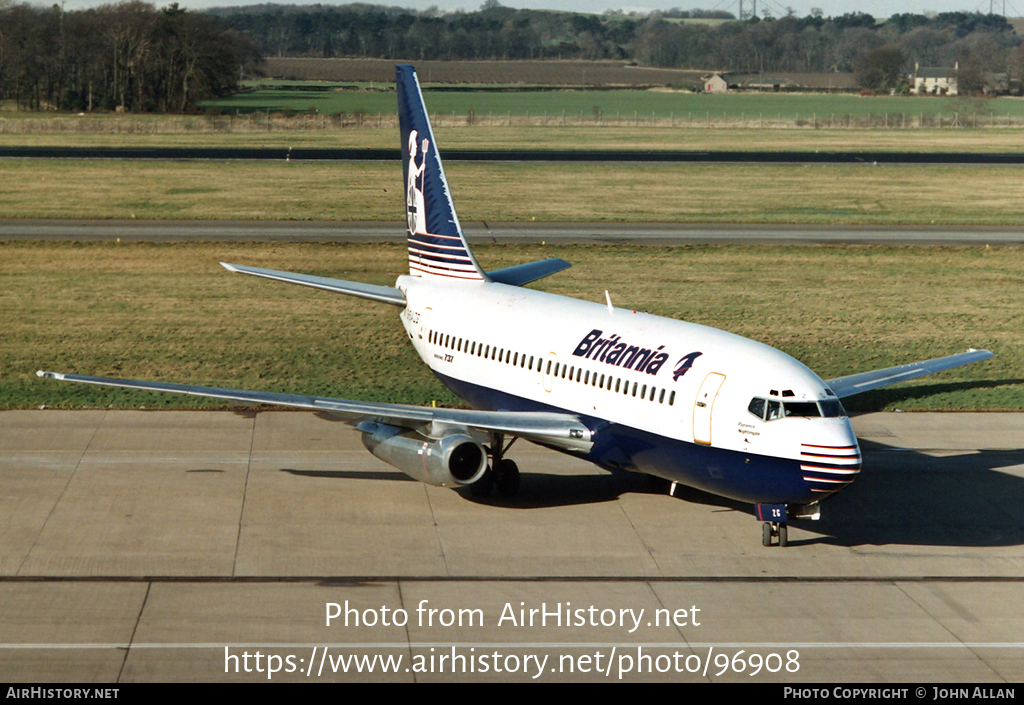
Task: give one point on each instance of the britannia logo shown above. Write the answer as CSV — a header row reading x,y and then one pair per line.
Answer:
x,y
684,365
613,351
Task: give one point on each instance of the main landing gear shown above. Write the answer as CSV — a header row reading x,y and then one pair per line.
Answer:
x,y
774,517
503,475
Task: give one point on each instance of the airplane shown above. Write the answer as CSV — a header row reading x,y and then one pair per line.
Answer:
x,y
686,404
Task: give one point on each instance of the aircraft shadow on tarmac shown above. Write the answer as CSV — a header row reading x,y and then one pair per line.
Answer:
x,y
900,497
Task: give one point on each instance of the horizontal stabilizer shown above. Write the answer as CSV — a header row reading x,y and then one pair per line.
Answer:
x,y
866,381
531,271
384,294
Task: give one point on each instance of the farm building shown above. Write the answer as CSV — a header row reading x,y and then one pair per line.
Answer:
x,y
716,83
793,82
935,80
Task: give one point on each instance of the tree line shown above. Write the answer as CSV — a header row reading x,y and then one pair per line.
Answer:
x,y
128,56
854,42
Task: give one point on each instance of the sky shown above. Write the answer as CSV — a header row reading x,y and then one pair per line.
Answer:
x,y
878,8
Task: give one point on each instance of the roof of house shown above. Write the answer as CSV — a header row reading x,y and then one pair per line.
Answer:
x,y
936,72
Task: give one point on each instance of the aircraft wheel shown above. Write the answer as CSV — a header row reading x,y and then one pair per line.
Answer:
x,y
783,535
484,486
766,534
506,477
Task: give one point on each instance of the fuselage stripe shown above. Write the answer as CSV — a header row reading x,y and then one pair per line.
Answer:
x,y
855,458
829,481
835,471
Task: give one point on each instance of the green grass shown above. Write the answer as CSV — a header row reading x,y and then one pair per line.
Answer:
x,y
628,192
170,313
687,108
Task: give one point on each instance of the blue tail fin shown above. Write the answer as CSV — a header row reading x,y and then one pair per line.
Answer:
x,y
437,247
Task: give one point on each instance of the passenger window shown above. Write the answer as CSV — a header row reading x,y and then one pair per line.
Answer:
x,y
672,398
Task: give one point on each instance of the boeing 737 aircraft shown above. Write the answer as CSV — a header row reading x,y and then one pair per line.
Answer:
x,y
628,391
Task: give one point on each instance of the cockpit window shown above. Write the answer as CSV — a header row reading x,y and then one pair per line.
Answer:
x,y
831,408
770,410
802,408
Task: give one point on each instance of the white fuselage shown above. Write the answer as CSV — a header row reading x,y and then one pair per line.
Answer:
x,y
552,351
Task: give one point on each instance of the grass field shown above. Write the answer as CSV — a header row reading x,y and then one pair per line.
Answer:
x,y
169,312
687,109
321,132
680,193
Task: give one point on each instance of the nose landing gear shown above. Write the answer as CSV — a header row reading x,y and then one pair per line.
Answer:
x,y
774,517
771,529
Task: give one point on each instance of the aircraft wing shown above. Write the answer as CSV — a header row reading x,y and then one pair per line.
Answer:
x,y
565,431
383,294
866,381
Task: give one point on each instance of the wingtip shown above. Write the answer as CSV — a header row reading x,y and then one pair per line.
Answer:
x,y
230,267
49,375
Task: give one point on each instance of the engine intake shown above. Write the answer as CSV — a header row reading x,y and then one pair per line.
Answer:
x,y
453,460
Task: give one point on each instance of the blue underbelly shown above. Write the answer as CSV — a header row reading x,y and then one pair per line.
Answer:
x,y
741,476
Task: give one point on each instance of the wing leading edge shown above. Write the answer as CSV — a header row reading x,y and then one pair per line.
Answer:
x,y
374,292
562,430
876,379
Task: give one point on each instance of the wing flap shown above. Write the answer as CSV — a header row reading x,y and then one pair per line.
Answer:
x,y
383,294
564,430
876,379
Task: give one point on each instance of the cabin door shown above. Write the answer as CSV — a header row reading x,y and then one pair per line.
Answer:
x,y
548,371
702,407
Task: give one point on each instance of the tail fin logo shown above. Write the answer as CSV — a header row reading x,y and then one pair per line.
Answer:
x,y
415,204
437,247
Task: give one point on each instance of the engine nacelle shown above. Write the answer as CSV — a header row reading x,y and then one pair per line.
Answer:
x,y
450,461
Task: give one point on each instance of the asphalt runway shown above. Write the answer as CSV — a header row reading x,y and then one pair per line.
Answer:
x,y
511,233
165,546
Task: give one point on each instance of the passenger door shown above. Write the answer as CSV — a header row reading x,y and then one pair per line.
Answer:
x,y
703,405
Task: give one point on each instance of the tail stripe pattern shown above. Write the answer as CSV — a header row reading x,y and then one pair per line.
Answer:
x,y
437,247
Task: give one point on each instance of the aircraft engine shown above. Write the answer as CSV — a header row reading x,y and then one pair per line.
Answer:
x,y
450,461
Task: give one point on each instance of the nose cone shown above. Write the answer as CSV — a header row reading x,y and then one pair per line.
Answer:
x,y
830,458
